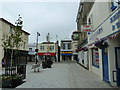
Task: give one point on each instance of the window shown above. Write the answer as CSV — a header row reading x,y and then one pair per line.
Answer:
x,y
24,46
95,57
63,45
69,45
10,29
51,47
30,49
41,47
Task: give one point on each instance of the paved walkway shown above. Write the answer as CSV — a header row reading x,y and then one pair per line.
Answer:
x,y
62,75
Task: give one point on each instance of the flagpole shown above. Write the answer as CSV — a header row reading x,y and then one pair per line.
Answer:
x,y
37,47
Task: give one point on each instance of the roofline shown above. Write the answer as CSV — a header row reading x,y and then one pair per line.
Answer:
x,y
2,19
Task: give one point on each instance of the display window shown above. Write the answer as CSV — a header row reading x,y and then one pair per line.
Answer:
x,y
95,57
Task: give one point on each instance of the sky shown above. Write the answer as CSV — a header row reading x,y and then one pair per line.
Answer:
x,y
56,18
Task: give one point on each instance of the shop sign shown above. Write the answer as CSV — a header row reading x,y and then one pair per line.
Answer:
x,y
49,54
66,52
114,20
86,28
98,31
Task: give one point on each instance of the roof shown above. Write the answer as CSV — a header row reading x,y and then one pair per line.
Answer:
x,y
2,19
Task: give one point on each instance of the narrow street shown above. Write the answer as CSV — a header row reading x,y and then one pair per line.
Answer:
x,y
62,75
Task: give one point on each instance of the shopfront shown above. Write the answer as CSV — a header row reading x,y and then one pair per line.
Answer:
x,y
104,50
44,56
66,55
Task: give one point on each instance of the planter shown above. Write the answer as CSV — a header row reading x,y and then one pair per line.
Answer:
x,y
11,81
101,44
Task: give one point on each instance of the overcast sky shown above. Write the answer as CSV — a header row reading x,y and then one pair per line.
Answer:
x,y
57,18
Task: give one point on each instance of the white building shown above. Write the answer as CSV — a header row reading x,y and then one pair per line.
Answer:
x,y
66,50
104,60
32,47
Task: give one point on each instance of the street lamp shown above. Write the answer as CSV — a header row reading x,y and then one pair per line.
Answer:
x,y
36,50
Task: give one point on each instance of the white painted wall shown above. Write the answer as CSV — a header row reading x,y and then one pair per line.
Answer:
x,y
112,60
100,14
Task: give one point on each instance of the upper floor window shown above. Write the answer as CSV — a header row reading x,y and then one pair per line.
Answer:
x,y
63,45
10,31
24,46
41,47
51,47
69,45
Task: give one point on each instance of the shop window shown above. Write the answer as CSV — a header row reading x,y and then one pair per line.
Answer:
x,y
95,57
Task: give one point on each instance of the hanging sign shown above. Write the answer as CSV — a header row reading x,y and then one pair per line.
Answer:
x,y
86,28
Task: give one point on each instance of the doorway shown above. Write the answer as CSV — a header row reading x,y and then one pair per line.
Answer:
x,y
105,64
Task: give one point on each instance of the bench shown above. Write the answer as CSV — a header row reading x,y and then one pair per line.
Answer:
x,y
36,67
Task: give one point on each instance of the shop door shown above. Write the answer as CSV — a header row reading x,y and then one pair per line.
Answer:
x,y
117,53
105,65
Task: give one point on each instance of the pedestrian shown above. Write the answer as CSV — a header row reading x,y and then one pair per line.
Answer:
x,y
49,63
44,64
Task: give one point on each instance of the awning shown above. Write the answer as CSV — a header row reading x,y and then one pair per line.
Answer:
x,y
64,54
48,54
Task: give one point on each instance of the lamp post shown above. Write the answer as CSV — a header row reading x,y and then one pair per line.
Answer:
x,y
36,50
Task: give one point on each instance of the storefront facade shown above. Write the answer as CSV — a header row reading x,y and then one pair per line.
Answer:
x,y
66,50
104,43
48,50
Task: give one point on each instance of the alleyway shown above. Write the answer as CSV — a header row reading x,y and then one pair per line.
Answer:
x,y
62,75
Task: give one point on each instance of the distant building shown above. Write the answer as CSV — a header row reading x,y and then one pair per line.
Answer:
x,y
48,50
32,47
66,50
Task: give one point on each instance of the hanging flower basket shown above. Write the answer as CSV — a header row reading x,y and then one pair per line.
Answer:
x,y
101,44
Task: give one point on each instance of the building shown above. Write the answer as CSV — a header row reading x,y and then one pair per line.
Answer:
x,y
66,50
81,20
48,49
75,38
21,57
32,47
104,41
74,47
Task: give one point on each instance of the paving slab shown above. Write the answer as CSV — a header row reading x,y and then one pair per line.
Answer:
x,y
62,75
